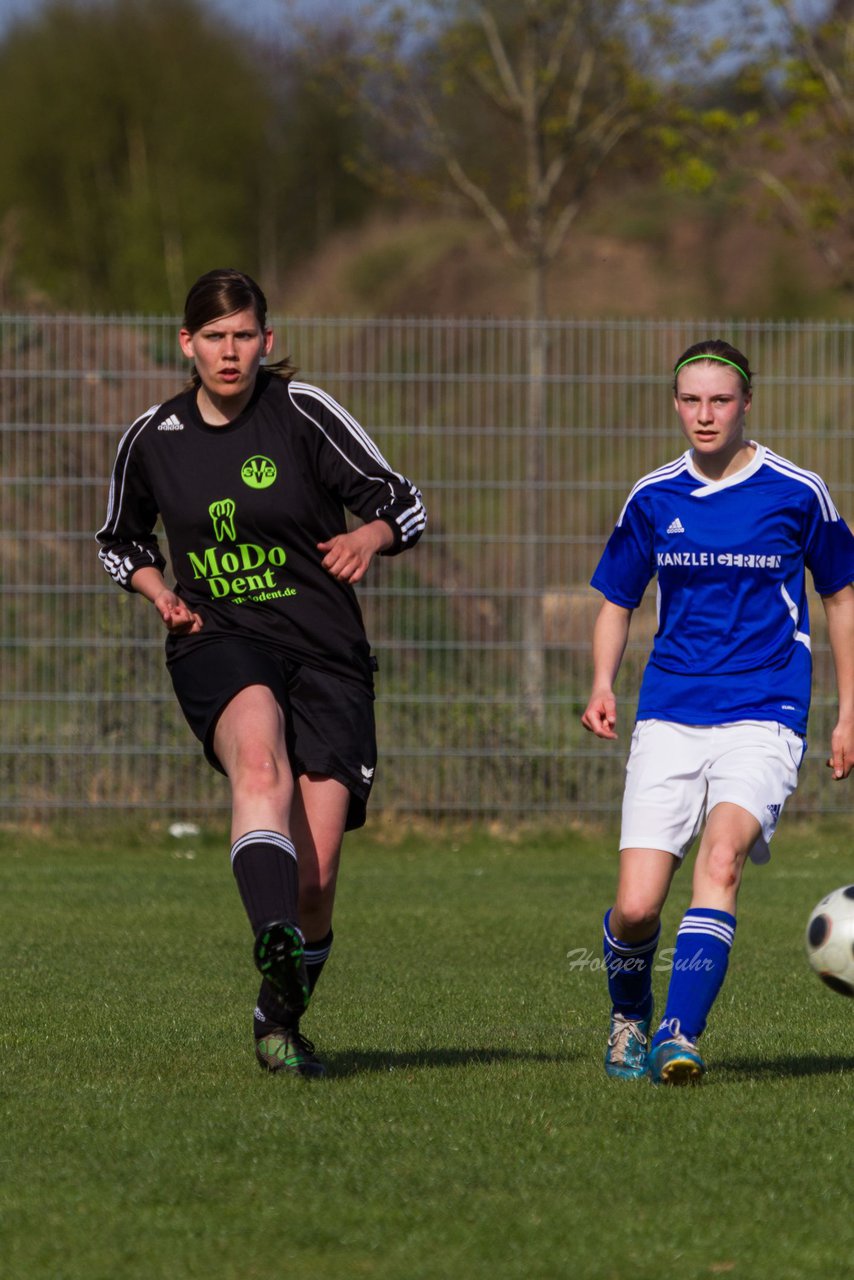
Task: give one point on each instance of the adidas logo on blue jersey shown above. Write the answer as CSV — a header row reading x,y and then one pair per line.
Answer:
x,y
676,526
170,424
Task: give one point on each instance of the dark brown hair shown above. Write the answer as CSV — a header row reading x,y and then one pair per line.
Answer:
x,y
222,292
715,349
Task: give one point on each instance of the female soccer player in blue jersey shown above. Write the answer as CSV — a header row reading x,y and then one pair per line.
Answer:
x,y
251,472
728,528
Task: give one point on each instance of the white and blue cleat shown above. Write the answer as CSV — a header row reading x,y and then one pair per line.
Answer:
x,y
676,1061
628,1047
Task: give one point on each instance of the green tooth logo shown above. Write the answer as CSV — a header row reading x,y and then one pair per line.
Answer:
x,y
221,513
258,472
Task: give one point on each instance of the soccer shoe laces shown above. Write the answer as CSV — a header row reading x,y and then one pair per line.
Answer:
x,y
623,1031
287,1049
301,1043
676,1036
682,1041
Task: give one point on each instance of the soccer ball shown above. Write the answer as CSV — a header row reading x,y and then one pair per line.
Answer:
x,y
830,940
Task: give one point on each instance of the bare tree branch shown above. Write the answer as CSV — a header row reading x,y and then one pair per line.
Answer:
x,y
559,162
507,106
556,237
482,201
586,63
499,55
551,70
797,217
819,65
597,133
465,184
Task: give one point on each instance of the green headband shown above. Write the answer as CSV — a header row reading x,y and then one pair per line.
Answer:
x,y
709,356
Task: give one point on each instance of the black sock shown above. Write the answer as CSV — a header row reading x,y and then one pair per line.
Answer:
x,y
269,1010
316,955
265,868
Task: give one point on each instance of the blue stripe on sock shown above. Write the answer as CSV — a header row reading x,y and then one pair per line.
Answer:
x,y
700,962
629,969
629,948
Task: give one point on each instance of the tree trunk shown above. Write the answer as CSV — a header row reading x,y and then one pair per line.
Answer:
x,y
533,557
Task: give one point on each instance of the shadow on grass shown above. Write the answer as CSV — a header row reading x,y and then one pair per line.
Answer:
x,y
356,1062
812,1065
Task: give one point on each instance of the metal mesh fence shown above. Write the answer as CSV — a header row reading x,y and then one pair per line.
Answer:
x,y
88,717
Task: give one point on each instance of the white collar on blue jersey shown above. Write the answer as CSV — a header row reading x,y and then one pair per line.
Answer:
x,y
715,486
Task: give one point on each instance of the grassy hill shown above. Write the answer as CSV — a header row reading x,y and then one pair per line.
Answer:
x,y
638,253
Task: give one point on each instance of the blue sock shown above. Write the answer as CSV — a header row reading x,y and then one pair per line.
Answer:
x,y
700,962
629,968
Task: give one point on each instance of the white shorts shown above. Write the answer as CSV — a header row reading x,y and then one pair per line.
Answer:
x,y
677,773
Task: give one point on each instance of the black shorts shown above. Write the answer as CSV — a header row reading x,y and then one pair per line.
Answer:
x,y
329,722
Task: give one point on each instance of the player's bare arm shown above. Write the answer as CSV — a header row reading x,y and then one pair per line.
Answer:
x,y
839,610
610,634
348,555
177,618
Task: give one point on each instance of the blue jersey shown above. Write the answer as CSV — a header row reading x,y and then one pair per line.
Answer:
x,y
733,638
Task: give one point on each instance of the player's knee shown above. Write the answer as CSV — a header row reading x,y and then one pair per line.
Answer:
x,y
722,865
634,917
258,772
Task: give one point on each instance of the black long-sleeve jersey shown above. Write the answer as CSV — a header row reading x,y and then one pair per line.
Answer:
x,y
244,506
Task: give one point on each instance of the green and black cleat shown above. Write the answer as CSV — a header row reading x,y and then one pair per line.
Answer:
x,y
280,958
287,1049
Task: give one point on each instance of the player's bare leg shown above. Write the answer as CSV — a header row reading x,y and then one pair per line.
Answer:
x,y
631,932
703,944
250,744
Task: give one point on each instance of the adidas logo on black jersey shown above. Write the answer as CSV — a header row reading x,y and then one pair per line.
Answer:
x,y
170,424
676,526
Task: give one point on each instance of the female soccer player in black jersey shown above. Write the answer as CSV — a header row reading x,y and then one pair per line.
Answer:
x,y
250,472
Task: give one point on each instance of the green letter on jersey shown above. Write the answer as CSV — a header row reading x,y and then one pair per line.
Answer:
x,y
258,472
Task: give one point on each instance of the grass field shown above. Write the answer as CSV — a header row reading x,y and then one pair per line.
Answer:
x,y
466,1127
